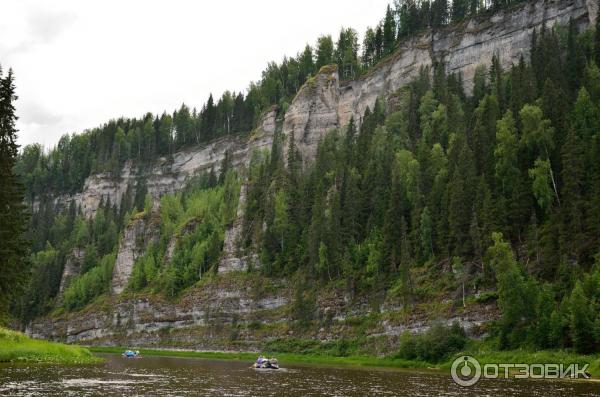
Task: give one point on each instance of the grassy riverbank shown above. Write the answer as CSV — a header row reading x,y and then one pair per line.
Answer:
x,y
17,347
488,355
481,351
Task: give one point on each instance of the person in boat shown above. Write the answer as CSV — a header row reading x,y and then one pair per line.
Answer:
x,y
131,353
263,362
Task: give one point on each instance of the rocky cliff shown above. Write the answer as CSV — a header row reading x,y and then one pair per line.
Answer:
x,y
169,176
242,311
323,103
140,232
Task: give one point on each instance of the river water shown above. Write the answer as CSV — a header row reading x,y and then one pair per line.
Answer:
x,y
159,376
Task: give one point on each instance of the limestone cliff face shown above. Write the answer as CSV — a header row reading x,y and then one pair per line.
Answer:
x,y
325,102
162,178
72,268
239,312
314,111
165,177
233,258
200,315
137,235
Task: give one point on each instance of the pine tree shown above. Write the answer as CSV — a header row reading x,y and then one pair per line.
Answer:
x,y
484,135
13,220
460,197
439,13
573,176
511,286
392,229
597,40
208,119
389,31
581,321
426,230
378,43
473,7
459,10
576,61
324,51
506,153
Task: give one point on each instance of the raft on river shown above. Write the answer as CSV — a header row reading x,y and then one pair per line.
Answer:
x,y
265,363
131,354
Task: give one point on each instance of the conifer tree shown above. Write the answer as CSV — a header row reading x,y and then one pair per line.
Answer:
x,y
576,61
460,9
573,173
324,51
511,291
597,40
581,321
389,31
506,153
13,220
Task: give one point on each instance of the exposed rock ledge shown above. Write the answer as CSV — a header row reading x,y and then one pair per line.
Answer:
x,y
237,311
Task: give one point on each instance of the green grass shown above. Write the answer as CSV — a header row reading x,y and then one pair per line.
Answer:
x,y
486,354
17,347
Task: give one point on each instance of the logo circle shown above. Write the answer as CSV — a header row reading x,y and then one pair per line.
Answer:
x,y
466,371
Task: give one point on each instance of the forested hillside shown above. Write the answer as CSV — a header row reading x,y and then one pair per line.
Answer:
x,y
64,168
494,194
500,188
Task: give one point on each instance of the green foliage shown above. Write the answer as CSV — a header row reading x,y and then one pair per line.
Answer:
x,y
581,321
434,345
196,219
147,204
540,176
90,285
303,305
512,292
14,247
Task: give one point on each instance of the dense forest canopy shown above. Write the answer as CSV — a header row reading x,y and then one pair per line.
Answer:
x,y
498,190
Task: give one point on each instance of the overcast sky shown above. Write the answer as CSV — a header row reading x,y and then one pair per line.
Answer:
x,y
80,63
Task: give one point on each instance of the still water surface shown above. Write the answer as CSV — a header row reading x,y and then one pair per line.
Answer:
x,y
159,376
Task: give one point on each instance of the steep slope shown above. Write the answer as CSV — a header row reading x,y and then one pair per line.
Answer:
x,y
324,103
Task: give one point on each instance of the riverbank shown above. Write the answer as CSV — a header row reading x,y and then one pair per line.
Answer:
x,y
479,350
16,347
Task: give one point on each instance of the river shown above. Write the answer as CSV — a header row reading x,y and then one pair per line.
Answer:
x,y
161,376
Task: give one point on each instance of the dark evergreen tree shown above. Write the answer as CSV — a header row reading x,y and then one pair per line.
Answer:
x,y
460,8
14,265
597,39
324,51
439,13
389,31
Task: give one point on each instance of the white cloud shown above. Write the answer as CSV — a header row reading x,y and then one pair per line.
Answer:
x,y
80,63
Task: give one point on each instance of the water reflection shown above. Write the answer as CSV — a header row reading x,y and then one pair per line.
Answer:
x,y
158,376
